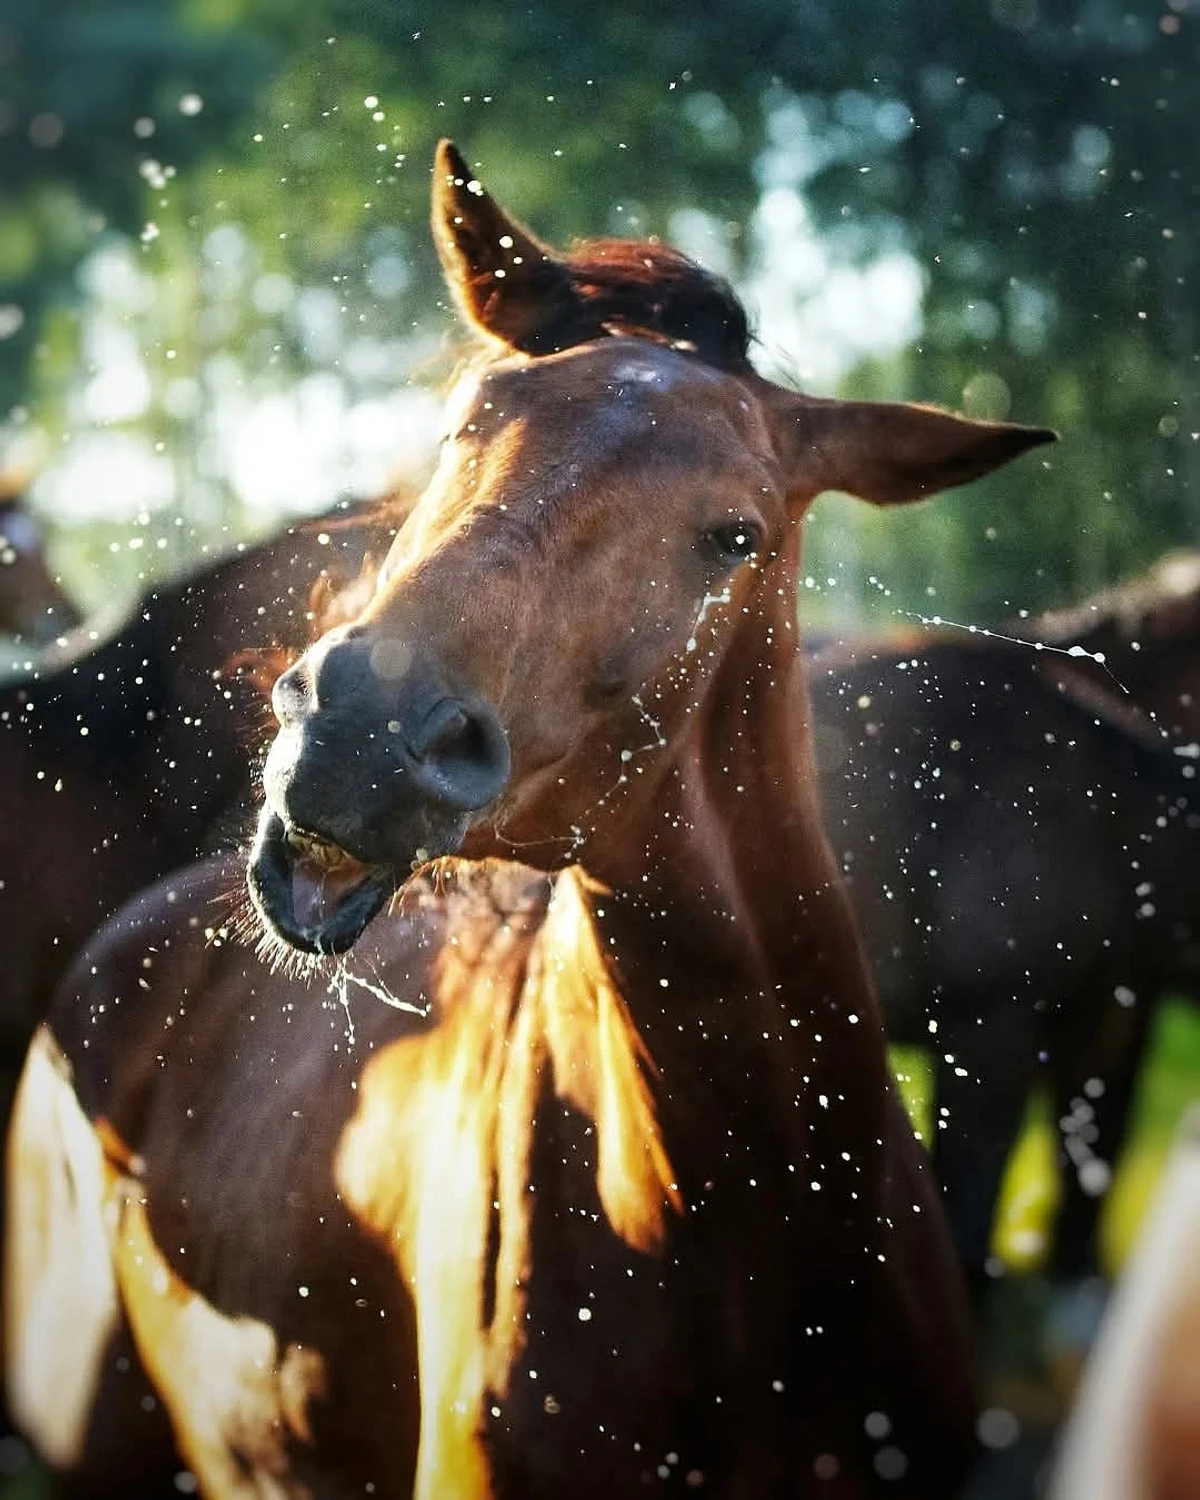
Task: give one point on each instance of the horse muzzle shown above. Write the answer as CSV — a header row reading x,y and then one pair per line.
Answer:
x,y
311,893
369,778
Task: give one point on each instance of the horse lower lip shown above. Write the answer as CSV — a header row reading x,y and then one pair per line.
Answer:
x,y
269,876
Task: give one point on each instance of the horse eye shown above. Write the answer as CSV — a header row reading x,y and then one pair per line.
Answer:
x,y
735,542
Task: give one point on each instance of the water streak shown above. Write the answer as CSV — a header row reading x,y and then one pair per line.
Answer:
x,y
339,987
1015,640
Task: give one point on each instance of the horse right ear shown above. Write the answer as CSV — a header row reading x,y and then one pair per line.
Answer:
x,y
509,285
890,452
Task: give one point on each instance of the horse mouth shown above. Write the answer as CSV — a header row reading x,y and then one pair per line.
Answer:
x,y
310,892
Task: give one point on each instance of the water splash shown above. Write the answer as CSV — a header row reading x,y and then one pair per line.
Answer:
x,y
342,978
655,728
1015,640
707,603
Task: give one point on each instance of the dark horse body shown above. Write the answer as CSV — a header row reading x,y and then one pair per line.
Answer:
x,y
127,753
1147,630
631,1204
1018,857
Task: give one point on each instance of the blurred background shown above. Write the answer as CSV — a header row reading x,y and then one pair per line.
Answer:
x,y
220,309
219,306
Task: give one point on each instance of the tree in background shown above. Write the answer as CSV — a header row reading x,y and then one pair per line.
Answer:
x,y
1030,160
93,100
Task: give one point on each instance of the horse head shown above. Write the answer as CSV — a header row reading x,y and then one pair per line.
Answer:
x,y
617,501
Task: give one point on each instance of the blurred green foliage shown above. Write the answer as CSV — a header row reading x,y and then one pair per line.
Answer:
x,y
1029,1202
1034,158
89,95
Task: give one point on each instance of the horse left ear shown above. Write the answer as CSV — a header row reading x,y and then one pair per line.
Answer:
x,y
506,281
891,452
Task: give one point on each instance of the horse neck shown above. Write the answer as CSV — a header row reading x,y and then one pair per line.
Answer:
x,y
725,910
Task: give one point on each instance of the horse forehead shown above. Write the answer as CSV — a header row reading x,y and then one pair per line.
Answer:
x,y
640,420
654,367
628,371
620,398
638,372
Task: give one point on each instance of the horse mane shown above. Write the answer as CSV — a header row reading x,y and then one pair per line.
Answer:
x,y
526,988
649,290
530,1034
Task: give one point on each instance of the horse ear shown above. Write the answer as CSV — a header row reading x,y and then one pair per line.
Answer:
x,y
890,452
506,281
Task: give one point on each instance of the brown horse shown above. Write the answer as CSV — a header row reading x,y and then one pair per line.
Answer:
x,y
1018,855
33,606
624,1198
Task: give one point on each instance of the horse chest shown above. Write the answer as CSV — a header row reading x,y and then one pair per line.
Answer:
x,y
673,1368
633,1372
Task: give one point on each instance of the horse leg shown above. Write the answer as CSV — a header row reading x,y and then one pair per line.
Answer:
x,y
984,1066
929,1340
1095,1063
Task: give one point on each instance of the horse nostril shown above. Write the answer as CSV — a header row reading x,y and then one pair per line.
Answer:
x,y
439,732
289,696
461,755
